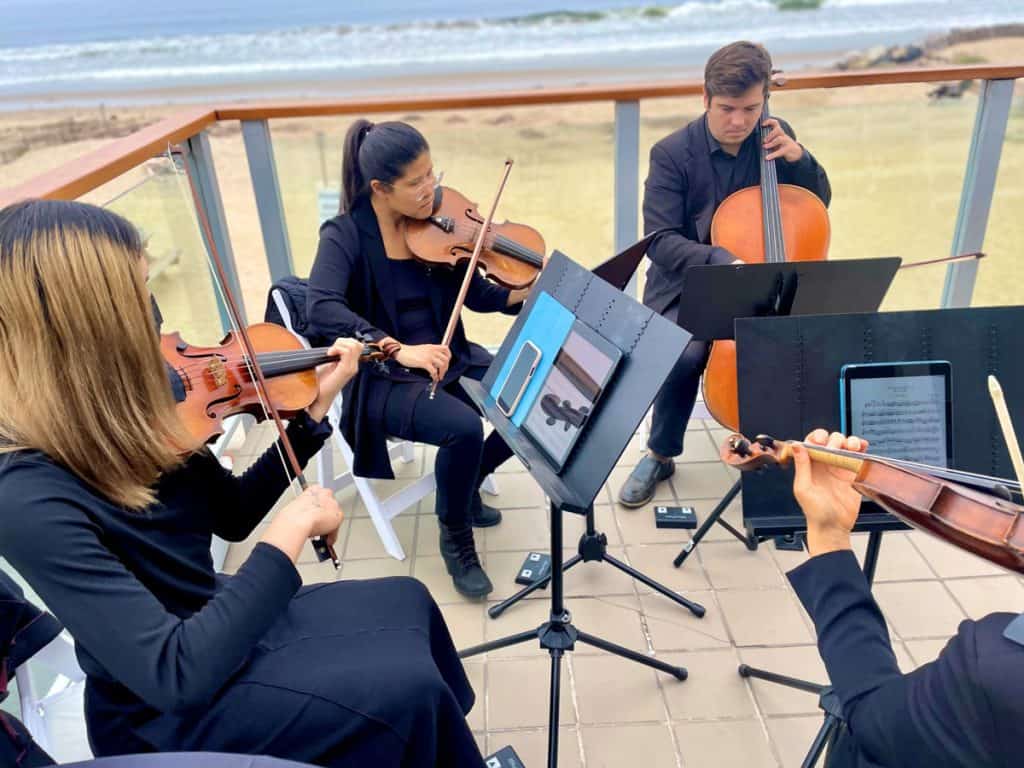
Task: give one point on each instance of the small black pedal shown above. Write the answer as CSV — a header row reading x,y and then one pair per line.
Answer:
x,y
675,517
790,542
536,566
505,757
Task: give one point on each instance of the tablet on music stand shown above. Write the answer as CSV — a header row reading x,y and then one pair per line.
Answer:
x,y
903,409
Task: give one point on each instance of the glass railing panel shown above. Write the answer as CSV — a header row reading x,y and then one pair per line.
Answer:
x,y
895,159
1001,274
243,222
160,205
561,184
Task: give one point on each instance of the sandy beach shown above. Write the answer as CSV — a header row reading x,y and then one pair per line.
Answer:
x,y
895,158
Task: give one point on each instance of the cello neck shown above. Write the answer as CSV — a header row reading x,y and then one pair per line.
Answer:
x,y
771,211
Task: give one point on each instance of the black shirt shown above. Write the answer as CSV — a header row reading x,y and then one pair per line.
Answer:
x,y
155,630
416,321
735,172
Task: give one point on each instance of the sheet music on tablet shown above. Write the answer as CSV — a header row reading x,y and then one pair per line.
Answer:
x,y
902,418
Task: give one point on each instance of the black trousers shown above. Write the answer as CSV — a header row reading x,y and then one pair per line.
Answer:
x,y
356,673
674,403
452,423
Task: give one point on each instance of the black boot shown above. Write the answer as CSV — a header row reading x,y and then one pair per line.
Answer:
x,y
483,515
459,553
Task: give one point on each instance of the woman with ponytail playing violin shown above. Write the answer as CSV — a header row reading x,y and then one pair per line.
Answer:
x,y
963,710
107,509
366,282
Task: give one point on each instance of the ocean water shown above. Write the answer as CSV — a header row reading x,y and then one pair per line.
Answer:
x,y
52,47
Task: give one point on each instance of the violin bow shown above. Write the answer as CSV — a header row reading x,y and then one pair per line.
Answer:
x,y
945,260
453,321
1006,424
324,551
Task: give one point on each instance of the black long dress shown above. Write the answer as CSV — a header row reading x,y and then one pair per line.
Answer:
x,y
351,673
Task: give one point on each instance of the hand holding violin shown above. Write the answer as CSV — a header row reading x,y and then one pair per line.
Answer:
x,y
826,494
332,377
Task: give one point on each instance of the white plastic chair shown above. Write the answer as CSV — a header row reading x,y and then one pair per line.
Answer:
x,y
381,511
56,718
218,546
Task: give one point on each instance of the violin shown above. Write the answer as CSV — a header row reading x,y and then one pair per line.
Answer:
x,y
512,254
794,226
218,381
981,519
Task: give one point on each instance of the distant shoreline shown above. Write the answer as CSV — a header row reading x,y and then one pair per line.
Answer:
x,y
380,86
405,83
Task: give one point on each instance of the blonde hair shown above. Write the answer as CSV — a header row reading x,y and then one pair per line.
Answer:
x,y
82,378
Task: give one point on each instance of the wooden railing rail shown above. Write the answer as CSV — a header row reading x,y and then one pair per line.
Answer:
x,y
618,92
88,172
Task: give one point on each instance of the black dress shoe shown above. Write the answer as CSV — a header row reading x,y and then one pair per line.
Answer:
x,y
482,515
639,486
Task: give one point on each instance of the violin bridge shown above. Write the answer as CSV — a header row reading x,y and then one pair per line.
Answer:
x,y
215,368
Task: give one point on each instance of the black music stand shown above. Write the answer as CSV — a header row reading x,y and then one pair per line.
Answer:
x,y
804,355
643,336
772,290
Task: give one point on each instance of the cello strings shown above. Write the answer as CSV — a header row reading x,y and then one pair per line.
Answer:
x,y
771,211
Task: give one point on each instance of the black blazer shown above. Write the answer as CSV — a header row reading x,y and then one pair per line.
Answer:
x,y
963,710
680,191
350,293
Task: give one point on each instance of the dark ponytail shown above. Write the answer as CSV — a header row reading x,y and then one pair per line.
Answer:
x,y
379,151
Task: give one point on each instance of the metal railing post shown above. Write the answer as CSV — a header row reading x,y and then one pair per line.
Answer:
x,y
262,169
627,179
200,160
979,184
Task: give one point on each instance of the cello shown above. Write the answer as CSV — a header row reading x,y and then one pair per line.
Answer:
x,y
768,223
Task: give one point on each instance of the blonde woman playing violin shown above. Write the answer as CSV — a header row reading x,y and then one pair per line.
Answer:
x,y
107,509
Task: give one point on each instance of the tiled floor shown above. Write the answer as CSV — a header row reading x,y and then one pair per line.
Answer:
x,y
615,712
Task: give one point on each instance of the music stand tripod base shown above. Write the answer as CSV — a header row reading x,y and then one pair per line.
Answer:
x,y
558,635
593,547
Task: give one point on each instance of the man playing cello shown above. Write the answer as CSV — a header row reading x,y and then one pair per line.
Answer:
x,y
691,172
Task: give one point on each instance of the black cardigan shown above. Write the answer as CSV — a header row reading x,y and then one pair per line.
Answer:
x,y
350,293
155,632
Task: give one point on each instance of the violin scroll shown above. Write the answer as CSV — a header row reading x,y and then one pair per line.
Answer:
x,y
745,455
